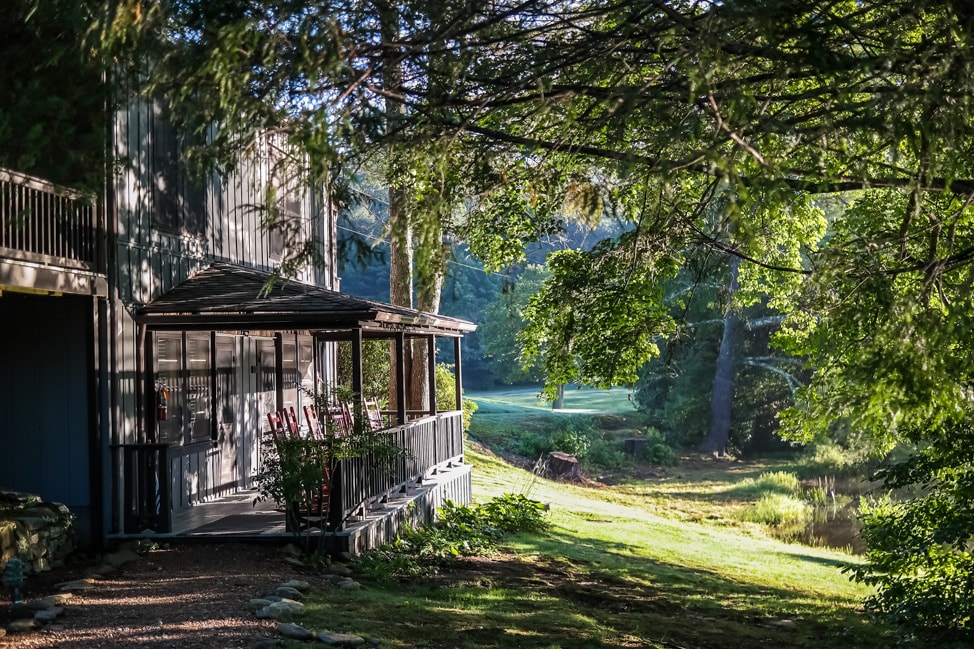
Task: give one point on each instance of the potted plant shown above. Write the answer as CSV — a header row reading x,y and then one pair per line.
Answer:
x,y
294,475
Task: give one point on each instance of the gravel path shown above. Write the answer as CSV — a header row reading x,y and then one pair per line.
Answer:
x,y
192,595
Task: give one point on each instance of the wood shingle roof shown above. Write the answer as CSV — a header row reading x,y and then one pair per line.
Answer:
x,y
229,297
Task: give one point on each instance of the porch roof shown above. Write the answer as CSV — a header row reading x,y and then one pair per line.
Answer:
x,y
229,297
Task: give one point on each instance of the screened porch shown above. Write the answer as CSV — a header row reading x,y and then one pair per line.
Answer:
x,y
228,347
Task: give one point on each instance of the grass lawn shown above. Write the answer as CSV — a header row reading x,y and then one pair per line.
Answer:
x,y
504,416
577,401
615,570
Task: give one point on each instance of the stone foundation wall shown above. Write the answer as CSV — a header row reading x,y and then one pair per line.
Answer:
x,y
41,534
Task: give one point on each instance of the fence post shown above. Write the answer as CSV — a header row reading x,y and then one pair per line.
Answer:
x,y
336,508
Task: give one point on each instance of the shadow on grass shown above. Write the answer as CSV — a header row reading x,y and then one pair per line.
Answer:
x,y
567,591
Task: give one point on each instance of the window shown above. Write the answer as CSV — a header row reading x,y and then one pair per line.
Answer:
x,y
178,202
285,234
226,387
266,379
169,388
306,367
198,397
183,383
289,364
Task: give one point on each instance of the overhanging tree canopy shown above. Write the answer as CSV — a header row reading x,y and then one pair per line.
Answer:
x,y
701,123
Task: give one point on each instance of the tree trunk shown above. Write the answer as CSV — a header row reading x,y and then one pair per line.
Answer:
x,y
400,281
722,398
559,401
400,222
429,289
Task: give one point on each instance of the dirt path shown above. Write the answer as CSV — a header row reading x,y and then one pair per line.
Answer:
x,y
193,595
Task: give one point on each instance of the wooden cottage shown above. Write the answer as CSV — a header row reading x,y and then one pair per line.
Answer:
x,y
140,350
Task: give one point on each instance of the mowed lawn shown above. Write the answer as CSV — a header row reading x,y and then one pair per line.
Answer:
x,y
615,570
577,401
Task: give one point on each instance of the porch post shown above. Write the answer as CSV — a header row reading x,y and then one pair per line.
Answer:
x,y
458,373
279,369
431,370
96,445
214,427
400,370
317,361
357,376
149,387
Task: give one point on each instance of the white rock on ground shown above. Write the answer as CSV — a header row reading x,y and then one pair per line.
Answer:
x,y
48,615
340,639
78,585
294,631
289,592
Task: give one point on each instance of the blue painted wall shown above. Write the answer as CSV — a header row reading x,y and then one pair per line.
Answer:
x,y
44,400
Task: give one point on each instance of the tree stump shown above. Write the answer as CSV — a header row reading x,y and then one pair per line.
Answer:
x,y
635,445
563,466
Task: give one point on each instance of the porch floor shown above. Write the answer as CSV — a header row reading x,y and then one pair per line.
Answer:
x,y
235,517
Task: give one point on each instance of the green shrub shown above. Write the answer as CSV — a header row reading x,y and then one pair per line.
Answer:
x,y
828,458
572,442
512,513
446,394
657,450
606,454
919,555
779,481
460,530
533,445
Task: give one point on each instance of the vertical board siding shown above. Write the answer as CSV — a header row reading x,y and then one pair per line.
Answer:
x,y
150,261
44,396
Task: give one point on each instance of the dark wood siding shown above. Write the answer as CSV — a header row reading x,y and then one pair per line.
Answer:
x,y
161,239
44,396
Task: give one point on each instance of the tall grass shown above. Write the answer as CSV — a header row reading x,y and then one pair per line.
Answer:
x,y
788,514
773,482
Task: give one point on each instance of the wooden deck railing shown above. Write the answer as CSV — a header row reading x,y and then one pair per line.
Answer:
x,y
49,224
145,485
145,473
428,442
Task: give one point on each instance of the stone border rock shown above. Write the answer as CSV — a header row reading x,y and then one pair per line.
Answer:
x,y
283,603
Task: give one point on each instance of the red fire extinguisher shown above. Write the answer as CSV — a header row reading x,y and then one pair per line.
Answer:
x,y
162,403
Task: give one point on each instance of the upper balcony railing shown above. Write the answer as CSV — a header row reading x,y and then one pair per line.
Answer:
x,y
49,224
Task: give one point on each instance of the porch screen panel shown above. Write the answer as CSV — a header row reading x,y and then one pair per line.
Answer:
x,y
168,381
266,380
306,369
292,377
198,390
226,389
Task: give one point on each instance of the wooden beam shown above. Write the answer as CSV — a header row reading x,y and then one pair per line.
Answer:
x,y
400,370
214,428
96,343
279,369
458,373
357,378
149,387
431,370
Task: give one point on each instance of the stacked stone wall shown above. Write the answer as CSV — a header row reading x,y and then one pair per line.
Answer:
x,y
41,534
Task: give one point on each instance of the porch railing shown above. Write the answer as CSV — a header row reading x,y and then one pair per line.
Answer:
x,y
145,484
46,223
428,443
144,473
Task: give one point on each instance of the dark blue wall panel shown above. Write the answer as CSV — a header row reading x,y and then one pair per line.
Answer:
x,y
44,400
